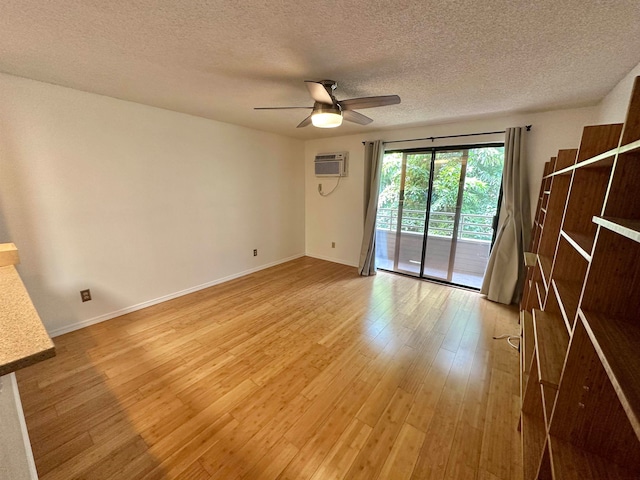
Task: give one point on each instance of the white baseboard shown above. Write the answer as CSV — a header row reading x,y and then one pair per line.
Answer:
x,y
164,298
334,260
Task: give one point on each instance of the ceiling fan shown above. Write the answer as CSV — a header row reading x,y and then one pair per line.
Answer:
x,y
328,112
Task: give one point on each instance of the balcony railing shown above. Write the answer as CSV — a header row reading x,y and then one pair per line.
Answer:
x,y
472,227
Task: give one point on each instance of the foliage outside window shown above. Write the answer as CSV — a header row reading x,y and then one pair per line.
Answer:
x,y
481,190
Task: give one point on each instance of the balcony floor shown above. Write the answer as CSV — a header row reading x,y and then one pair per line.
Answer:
x,y
465,279
470,259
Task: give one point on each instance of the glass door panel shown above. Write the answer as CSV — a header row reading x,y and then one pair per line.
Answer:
x,y
391,176
443,214
483,179
410,239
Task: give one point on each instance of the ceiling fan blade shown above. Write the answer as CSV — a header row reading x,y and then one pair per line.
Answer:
x,y
369,102
318,92
356,117
280,108
305,122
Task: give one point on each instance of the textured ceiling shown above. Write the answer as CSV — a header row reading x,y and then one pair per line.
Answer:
x,y
446,59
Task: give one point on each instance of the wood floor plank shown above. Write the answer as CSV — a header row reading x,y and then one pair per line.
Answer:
x,y
337,463
426,399
313,453
436,450
464,458
517,471
231,457
195,471
303,370
404,454
373,455
47,462
386,388
191,450
496,453
76,466
273,462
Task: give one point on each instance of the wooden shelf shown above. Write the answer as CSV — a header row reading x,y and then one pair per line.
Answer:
x,y
533,439
545,472
633,147
552,341
604,160
568,295
528,340
553,220
588,192
622,200
581,399
614,277
599,140
530,259
566,158
548,168
543,215
569,273
571,463
539,294
632,121
617,343
548,399
582,242
529,294
545,269
624,227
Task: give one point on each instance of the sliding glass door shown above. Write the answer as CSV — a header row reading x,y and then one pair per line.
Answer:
x,y
400,234
436,212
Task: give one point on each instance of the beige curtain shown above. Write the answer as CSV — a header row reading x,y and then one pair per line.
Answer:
x,y
373,162
504,277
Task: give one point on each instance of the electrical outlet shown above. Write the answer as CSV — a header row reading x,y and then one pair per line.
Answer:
x,y
85,295
255,252
320,187
333,244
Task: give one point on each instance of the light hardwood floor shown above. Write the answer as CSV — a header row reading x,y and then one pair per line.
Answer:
x,y
301,371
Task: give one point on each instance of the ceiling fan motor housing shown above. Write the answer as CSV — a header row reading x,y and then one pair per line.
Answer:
x,y
329,85
325,108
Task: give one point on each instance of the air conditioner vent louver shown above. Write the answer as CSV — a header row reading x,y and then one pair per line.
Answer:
x,y
331,164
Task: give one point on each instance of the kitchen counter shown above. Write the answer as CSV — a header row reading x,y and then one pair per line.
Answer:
x,y
23,339
23,342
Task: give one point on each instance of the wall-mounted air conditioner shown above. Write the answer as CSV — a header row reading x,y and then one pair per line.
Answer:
x,y
332,164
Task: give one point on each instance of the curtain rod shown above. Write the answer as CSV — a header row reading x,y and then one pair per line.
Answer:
x,y
528,127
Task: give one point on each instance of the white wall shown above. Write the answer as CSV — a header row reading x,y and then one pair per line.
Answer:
x,y
613,108
339,217
135,202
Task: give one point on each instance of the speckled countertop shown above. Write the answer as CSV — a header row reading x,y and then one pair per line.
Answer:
x,y
23,339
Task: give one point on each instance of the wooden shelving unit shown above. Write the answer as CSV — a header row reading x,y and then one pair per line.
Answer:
x,y
580,311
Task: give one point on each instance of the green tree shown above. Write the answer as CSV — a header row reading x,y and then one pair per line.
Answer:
x,y
481,189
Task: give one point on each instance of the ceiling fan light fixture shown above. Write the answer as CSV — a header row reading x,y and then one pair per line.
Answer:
x,y
326,116
328,111
326,119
